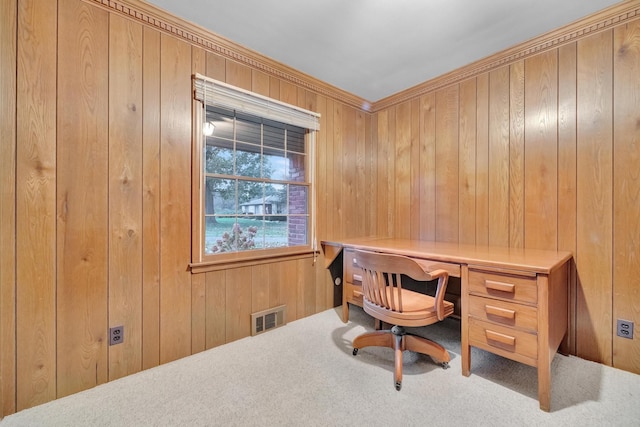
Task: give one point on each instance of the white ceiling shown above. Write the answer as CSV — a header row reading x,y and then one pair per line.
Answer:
x,y
376,48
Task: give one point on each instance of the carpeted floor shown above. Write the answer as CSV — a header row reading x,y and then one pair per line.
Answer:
x,y
304,374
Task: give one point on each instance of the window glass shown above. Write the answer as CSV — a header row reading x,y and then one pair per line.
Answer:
x,y
256,192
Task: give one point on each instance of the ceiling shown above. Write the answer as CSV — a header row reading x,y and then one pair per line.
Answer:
x,y
376,48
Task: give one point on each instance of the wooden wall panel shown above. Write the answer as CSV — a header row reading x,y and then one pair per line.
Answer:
x,y
594,197
175,199
626,197
349,196
238,303
198,292
428,167
516,154
125,193
151,199
415,218
402,176
339,214
35,207
467,162
446,162
499,133
567,169
482,160
8,57
541,152
384,175
82,195
215,315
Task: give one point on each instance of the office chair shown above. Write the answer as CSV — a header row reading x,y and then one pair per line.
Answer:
x,y
387,301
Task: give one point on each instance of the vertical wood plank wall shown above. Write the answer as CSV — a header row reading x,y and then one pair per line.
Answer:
x,y
541,153
96,201
95,207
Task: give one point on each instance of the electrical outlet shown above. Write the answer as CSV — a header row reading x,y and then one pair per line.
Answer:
x,y
625,328
116,335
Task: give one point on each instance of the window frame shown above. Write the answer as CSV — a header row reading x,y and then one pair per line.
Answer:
x,y
200,259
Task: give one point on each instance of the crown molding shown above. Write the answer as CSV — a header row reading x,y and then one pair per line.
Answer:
x,y
592,24
155,17
152,16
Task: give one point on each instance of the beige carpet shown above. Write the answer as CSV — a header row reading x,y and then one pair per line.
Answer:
x,y
304,374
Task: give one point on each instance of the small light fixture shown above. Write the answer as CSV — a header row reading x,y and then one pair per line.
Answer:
x,y
208,128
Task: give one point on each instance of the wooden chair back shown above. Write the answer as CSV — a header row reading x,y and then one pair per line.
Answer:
x,y
382,280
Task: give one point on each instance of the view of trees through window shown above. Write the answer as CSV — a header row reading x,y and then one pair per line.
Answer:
x,y
256,187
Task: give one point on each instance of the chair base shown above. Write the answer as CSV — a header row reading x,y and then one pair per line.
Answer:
x,y
399,340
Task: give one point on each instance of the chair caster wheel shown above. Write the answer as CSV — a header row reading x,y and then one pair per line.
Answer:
x,y
355,351
398,385
445,365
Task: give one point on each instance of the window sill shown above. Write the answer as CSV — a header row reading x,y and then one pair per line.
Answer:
x,y
245,259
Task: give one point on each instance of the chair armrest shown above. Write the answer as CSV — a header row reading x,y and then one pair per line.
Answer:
x,y
443,279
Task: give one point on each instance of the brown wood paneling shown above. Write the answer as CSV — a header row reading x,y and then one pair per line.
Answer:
x,y
499,132
305,289
349,197
82,194
594,197
567,170
402,176
361,200
482,159
260,83
151,199
467,162
8,56
383,174
516,154
125,193
337,188
541,152
238,303
428,167
288,93
259,287
216,302
447,168
198,302
288,288
216,67
327,145
175,199
414,231
626,197
238,75
198,312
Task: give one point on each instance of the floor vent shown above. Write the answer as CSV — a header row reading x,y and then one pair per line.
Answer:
x,y
264,320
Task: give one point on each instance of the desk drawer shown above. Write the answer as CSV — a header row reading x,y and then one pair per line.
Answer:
x,y
353,273
502,285
511,343
504,313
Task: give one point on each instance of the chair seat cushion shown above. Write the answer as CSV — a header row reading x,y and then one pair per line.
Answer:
x,y
417,309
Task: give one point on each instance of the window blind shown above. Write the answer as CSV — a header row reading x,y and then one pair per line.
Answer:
x,y
217,93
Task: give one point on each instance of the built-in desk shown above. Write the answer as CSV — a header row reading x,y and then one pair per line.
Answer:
x,y
514,301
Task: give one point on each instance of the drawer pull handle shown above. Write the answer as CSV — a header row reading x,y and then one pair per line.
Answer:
x,y
501,338
500,286
357,278
355,262
357,294
500,312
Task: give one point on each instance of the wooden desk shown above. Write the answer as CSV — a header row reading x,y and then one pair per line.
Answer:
x,y
514,301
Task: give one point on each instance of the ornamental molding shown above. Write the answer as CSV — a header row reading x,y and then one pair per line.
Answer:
x,y
151,16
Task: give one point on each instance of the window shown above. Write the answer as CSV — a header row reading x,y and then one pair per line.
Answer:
x,y
255,175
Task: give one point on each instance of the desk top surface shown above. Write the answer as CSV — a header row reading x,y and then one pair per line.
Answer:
x,y
533,260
